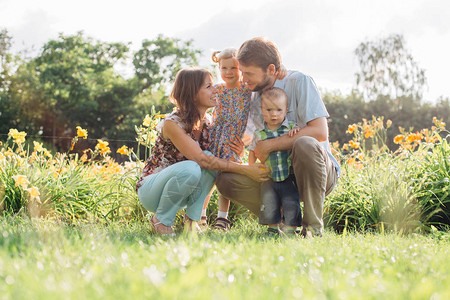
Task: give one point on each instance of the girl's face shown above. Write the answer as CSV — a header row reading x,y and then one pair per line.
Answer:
x,y
229,71
206,96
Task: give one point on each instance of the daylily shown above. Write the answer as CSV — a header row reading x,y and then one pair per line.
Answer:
x,y
82,133
21,180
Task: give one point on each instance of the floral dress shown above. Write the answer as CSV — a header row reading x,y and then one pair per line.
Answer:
x,y
229,119
164,152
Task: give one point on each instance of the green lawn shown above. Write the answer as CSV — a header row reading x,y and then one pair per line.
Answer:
x,y
40,259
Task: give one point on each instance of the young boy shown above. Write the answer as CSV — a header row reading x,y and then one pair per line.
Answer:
x,y
279,196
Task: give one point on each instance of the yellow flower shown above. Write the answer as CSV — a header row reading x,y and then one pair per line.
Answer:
x,y
160,116
37,146
2,157
388,123
147,121
19,137
34,193
399,138
123,150
82,133
351,128
103,147
21,180
360,156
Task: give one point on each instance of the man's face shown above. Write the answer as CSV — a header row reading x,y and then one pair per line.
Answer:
x,y
256,78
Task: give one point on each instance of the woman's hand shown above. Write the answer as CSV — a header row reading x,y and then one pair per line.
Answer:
x,y
258,172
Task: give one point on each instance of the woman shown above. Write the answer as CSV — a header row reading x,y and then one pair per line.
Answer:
x,y
180,172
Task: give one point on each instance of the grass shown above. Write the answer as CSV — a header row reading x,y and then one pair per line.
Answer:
x,y
40,259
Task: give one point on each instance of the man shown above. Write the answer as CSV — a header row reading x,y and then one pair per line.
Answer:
x,y
315,169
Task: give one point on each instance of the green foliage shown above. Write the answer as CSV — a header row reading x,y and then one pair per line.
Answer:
x,y
73,81
402,191
388,69
158,61
404,112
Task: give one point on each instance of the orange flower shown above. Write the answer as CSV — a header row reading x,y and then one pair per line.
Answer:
x,y
399,138
351,128
354,144
123,150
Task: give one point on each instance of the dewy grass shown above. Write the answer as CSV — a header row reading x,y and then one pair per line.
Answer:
x,y
42,260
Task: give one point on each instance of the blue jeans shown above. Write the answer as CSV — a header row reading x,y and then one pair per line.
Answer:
x,y
277,195
181,185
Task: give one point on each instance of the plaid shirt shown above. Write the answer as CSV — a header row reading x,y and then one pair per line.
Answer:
x,y
278,161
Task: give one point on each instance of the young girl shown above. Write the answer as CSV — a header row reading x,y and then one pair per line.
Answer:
x,y
178,173
229,122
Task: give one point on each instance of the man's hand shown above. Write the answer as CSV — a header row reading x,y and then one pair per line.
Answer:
x,y
262,150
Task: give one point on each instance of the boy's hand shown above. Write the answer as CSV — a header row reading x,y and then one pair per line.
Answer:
x,y
293,131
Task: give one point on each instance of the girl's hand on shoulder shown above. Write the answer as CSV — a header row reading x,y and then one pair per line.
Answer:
x,y
282,72
258,172
237,145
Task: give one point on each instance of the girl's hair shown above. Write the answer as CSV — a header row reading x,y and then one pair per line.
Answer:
x,y
217,56
184,93
259,52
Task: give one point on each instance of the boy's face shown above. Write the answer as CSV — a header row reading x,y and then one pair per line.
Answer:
x,y
273,110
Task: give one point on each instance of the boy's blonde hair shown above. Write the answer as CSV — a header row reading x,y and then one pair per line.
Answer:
x,y
217,56
274,93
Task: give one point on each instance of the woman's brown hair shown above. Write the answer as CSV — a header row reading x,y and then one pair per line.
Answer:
x,y
185,89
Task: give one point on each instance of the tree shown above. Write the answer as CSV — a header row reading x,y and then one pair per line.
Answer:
x,y
158,61
388,69
9,109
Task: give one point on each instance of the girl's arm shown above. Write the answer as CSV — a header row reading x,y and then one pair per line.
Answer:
x,y
192,151
251,157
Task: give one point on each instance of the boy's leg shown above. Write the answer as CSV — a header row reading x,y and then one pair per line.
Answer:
x,y
316,177
241,189
269,213
288,193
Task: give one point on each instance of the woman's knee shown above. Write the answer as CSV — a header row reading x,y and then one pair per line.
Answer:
x,y
189,174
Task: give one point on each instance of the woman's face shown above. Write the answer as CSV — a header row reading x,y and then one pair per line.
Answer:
x,y
229,71
206,96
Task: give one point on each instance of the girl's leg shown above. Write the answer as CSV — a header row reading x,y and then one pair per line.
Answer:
x,y
224,206
167,191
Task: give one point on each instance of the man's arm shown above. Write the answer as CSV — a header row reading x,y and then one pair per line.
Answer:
x,y
317,128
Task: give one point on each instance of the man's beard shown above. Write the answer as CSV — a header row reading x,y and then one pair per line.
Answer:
x,y
263,85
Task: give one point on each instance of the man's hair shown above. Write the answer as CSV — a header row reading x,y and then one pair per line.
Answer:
x,y
259,52
184,93
274,93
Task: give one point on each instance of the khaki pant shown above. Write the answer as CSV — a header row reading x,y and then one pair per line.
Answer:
x,y
315,174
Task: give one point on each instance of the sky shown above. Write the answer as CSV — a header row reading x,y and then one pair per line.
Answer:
x,y
317,38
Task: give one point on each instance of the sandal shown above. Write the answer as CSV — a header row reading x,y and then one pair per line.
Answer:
x,y
203,222
222,224
160,228
191,225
